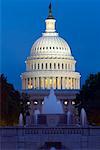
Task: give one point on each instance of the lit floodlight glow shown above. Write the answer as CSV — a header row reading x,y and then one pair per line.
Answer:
x,y
28,103
42,102
35,102
73,102
65,102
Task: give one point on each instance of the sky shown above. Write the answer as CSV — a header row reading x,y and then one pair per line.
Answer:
x,y
23,21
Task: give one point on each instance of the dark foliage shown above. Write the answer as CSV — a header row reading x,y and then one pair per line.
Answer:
x,y
90,97
9,103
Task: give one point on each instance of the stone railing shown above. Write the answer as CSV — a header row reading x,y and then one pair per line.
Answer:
x,y
21,131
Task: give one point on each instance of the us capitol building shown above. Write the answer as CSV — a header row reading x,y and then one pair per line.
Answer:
x,y
50,63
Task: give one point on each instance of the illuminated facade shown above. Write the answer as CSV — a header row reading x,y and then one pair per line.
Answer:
x,y
50,64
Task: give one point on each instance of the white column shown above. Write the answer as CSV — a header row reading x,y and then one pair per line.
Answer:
x,y
26,83
63,83
48,83
29,82
67,83
71,83
75,84
78,83
43,82
33,83
38,82
52,82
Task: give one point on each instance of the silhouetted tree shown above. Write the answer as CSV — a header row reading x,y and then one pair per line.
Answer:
x,y
9,102
90,97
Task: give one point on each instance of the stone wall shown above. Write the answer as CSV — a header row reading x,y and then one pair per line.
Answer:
x,y
41,138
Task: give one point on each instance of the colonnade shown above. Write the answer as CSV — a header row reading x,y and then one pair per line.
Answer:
x,y
51,82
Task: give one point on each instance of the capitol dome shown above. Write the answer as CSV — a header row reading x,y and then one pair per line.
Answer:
x,y
50,46
50,63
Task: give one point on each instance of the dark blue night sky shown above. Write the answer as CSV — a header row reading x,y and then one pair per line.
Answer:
x,y
78,22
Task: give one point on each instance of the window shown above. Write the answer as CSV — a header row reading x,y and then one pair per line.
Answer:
x,y
62,66
50,47
69,66
58,66
46,47
43,47
42,65
38,66
50,65
40,47
54,65
56,47
66,66
31,82
34,66
46,66
53,47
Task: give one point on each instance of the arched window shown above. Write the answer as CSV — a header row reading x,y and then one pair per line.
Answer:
x,y
58,66
46,66
50,65
66,66
62,66
42,65
34,66
38,66
28,80
54,65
